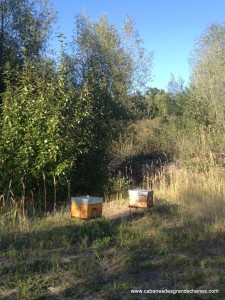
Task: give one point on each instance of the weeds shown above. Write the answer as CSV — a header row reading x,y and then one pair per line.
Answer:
x,y
178,244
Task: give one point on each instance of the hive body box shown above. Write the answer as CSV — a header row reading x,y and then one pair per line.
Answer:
x,y
86,207
140,198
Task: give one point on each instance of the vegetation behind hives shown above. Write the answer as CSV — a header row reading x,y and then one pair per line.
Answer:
x,y
83,123
87,122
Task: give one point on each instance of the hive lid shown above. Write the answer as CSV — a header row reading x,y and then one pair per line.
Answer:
x,y
87,200
141,192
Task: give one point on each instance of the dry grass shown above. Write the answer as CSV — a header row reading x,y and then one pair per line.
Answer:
x,y
200,195
179,244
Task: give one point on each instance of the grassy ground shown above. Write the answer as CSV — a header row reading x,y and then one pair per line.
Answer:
x,y
178,244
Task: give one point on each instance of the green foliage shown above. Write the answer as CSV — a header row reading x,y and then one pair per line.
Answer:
x,y
59,118
208,60
69,126
150,104
78,125
103,67
117,187
103,53
24,31
158,103
41,126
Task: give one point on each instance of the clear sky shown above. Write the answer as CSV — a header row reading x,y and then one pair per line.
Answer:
x,y
167,27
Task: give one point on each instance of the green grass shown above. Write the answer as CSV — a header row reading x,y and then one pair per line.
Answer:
x,y
178,244
56,257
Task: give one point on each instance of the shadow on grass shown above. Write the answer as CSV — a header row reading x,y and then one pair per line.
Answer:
x,y
98,255
105,259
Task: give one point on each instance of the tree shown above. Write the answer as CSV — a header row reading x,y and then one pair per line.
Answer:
x,y
208,75
102,53
41,129
178,96
58,120
25,27
158,101
139,105
103,69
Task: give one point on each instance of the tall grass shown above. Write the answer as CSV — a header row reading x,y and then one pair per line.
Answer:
x,y
200,195
55,256
177,244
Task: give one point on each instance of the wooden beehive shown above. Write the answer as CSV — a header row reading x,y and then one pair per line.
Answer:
x,y
141,198
86,207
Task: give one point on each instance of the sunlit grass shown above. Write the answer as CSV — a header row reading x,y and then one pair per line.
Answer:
x,y
177,244
200,195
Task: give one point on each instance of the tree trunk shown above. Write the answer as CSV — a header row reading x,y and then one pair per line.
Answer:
x,y
45,193
54,182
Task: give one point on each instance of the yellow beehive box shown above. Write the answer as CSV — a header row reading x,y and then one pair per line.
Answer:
x,y
141,198
86,207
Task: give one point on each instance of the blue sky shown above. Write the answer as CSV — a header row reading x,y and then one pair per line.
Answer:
x,y
167,27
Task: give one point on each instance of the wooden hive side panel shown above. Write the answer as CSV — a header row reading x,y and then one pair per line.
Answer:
x,y
85,211
94,210
141,201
